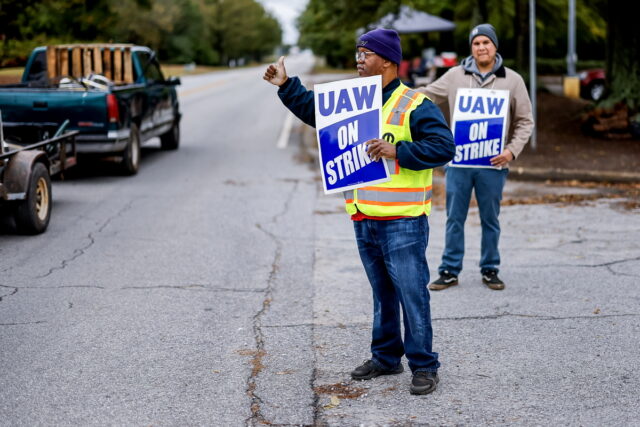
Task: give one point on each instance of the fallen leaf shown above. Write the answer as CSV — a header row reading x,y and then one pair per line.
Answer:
x,y
596,311
334,403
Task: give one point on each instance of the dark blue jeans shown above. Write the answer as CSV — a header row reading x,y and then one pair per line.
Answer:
x,y
393,255
488,185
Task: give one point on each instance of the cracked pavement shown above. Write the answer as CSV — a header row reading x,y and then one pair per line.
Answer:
x,y
219,286
557,347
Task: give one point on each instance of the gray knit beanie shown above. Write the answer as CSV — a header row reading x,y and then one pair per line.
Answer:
x,y
484,30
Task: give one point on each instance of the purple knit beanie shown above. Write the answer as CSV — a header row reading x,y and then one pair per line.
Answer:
x,y
384,42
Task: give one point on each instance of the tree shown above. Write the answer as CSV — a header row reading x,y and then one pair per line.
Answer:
x,y
245,30
623,61
204,31
329,27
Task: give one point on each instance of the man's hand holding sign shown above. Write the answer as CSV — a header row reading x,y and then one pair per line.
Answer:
x,y
502,159
380,148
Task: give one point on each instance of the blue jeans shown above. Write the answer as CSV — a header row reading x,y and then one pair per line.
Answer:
x,y
488,185
393,255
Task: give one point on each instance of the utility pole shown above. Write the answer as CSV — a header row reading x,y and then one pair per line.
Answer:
x,y
571,54
532,70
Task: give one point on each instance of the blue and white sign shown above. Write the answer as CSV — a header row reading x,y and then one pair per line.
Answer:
x,y
349,113
479,126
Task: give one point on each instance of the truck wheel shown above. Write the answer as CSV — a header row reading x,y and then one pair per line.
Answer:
x,y
171,139
32,214
131,156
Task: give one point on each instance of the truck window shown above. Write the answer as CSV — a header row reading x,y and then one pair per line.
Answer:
x,y
38,70
152,72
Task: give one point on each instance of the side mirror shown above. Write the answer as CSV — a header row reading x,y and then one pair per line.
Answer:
x,y
173,81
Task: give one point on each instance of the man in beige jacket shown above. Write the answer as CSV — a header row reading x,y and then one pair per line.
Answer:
x,y
483,69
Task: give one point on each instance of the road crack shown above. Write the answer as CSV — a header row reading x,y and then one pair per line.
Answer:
x,y
197,287
37,322
10,293
534,316
258,355
77,253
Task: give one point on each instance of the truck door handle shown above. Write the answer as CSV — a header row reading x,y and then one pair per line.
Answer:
x,y
40,104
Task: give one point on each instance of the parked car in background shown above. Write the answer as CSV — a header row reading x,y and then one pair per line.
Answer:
x,y
114,95
592,84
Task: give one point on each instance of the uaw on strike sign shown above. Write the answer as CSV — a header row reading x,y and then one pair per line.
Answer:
x,y
349,113
479,126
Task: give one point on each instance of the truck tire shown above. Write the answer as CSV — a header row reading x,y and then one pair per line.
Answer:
x,y
130,162
171,139
32,214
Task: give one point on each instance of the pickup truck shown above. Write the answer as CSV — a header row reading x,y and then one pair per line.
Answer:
x,y
114,95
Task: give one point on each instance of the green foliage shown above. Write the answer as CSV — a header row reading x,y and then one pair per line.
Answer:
x,y
329,26
203,31
623,71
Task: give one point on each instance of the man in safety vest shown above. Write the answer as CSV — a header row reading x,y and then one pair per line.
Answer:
x,y
482,72
390,219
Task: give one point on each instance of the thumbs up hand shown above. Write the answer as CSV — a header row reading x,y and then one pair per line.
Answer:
x,y
276,74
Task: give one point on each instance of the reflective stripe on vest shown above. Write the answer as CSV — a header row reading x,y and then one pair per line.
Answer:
x,y
394,196
402,106
390,196
393,166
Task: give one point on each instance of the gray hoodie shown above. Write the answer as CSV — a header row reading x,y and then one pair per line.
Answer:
x,y
469,64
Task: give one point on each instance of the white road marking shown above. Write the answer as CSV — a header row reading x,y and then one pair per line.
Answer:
x,y
285,133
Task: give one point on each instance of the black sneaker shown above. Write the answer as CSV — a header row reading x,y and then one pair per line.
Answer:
x,y
491,279
369,370
424,382
445,280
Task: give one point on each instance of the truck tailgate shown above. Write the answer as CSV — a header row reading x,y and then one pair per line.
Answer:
x,y
86,110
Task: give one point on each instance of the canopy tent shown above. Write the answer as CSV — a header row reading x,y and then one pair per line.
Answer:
x,y
409,20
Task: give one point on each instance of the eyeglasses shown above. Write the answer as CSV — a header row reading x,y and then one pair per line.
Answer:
x,y
362,56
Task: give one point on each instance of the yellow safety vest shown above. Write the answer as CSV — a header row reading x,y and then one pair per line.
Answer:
x,y
409,192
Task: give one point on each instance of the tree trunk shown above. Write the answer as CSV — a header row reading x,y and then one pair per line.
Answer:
x,y
484,11
521,30
623,60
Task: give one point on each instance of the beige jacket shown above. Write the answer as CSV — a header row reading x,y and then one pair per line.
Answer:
x,y
520,119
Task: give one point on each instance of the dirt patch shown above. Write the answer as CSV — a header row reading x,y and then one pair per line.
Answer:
x,y
561,143
340,390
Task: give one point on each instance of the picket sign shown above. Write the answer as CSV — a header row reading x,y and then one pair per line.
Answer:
x,y
479,126
349,113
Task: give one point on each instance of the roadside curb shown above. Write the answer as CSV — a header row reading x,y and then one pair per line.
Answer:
x,y
543,174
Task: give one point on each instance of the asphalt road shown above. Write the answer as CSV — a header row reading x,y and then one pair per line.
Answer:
x,y
220,287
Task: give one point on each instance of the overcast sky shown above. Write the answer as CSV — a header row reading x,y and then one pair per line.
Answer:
x,y
286,11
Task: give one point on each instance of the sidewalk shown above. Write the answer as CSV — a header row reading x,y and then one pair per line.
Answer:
x,y
558,346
